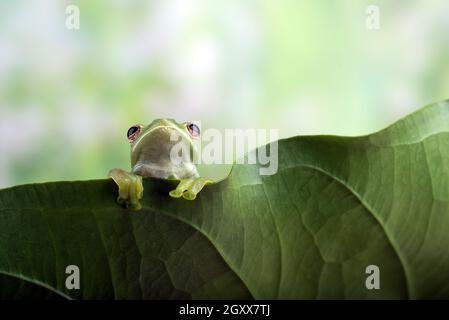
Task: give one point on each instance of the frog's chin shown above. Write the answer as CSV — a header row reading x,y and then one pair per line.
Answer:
x,y
184,170
150,170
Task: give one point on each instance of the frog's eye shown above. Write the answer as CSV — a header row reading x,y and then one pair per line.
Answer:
x,y
133,132
193,129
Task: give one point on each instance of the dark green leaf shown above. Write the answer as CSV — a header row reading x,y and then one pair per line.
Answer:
x,y
335,206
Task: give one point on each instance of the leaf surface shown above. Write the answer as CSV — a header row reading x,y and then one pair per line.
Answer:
x,y
335,206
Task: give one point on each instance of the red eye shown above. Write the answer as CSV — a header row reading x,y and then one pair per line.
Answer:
x,y
193,129
133,132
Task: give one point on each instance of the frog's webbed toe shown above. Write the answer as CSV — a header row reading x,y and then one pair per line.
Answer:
x,y
130,188
189,188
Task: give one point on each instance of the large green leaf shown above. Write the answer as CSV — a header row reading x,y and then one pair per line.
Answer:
x,y
335,206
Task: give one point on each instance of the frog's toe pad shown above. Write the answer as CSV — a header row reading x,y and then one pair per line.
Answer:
x,y
175,193
130,188
189,195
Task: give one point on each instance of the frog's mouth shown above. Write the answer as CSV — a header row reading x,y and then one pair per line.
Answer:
x,y
158,134
160,131
158,140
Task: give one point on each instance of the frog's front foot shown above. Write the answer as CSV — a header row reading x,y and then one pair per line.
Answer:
x,y
130,188
189,188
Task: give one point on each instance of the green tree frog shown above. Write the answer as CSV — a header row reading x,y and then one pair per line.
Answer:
x,y
161,150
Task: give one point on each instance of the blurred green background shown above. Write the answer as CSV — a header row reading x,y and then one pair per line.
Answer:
x,y
67,97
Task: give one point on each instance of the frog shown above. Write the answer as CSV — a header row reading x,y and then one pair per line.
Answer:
x,y
165,150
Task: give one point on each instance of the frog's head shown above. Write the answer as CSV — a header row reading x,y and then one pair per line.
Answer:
x,y
155,141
